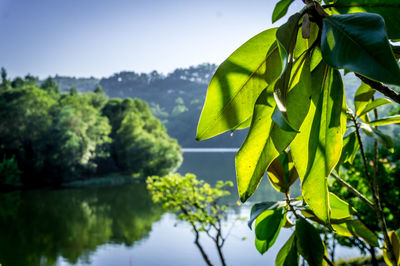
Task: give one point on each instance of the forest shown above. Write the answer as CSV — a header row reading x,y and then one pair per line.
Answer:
x,y
52,137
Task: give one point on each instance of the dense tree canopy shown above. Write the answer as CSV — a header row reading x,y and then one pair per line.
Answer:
x,y
58,136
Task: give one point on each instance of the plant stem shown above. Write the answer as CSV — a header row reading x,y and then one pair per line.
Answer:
x,y
375,196
388,92
330,263
354,191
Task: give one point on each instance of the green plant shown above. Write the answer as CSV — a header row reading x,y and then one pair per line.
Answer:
x,y
285,85
9,172
195,202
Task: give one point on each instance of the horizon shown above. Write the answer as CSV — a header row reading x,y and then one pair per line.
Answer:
x,y
99,38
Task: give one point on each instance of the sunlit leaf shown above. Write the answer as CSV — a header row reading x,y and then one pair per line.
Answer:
x,y
265,139
267,227
374,104
356,228
395,241
358,42
287,255
317,148
339,208
236,85
388,9
281,9
309,242
385,121
363,97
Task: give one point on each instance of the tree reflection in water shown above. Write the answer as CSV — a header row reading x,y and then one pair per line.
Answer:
x,y
36,227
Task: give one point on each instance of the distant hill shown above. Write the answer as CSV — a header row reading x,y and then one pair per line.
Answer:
x,y
176,98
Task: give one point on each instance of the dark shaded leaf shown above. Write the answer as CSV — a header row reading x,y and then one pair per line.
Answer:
x,y
358,42
309,243
287,255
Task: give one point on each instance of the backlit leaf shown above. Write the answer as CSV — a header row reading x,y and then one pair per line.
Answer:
x,y
281,9
265,139
375,104
385,121
236,85
358,42
395,241
282,173
317,148
259,208
382,138
356,228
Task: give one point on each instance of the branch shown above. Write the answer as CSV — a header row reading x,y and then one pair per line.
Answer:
x,y
385,90
354,191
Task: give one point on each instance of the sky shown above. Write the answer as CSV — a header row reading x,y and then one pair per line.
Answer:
x,y
97,38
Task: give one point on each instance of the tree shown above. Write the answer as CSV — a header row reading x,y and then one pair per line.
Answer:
x,y
285,85
195,202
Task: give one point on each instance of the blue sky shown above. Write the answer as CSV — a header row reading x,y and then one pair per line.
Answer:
x,y
100,37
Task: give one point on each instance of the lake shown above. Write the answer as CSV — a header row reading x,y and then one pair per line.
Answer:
x,y
121,226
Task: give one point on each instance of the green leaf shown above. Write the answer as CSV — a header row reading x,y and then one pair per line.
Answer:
x,y
382,138
267,227
265,139
286,36
373,105
339,208
356,228
395,241
358,42
309,243
388,9
363,97
287,255
259,208
317,148
236,85
281,9
350,149
385,121
282,173
281,121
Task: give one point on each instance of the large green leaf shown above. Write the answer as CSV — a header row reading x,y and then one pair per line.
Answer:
x,y
317,148
374,104
281,9
358,42
267,227
236,85
385,121
265,139
388,9
309,243
356,228
287,255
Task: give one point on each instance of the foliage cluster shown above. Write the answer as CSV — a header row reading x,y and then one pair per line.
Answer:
x,y
285,85
194,201
56,137
9,171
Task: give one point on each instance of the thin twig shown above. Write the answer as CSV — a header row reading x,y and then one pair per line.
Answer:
x,y
330,263
375,196
354,191
385,90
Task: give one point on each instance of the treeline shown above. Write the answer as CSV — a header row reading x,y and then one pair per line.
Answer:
x,y
176,99
56,137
